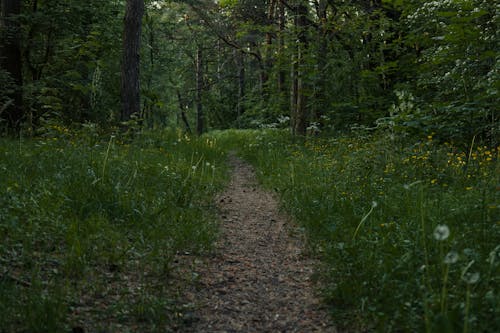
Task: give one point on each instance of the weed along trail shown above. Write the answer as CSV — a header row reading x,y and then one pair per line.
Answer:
x,y
258,280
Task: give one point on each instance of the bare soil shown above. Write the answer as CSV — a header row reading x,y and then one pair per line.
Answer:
x,y
259,279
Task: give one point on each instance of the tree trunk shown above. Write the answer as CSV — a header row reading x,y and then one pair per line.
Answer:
x,y
182,111
149,102
241,82
200,126
301,113
322,56
282,73
293,93
268,57
10,61
130,91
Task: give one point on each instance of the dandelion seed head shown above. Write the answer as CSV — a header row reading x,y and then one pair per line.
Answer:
x,y
471,278
451,258
442,232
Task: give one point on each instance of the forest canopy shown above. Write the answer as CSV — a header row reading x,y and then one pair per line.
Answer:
x,y
408,67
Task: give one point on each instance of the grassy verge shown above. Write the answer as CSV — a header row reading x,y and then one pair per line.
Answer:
x,y
89,228
408,234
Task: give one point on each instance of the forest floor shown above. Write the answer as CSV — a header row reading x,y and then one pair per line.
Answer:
x,y
259,279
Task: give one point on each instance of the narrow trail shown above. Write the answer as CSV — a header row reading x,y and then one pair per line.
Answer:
x,y
259,280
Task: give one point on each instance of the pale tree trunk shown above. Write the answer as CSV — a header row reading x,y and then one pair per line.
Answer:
x,y
130,88
10,61
240,61
200,119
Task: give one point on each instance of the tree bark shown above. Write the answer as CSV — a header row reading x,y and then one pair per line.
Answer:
x,y
268,58
282,72
130,87
200,119
293,92
321,79
10,61
182,112
241,82
299,109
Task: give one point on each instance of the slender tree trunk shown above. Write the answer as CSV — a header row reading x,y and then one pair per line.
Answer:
x,y
130,91
293,93
10,61
200,119
301,109
320,86
294,78
183,112
268,58
282,88
150,101
240,60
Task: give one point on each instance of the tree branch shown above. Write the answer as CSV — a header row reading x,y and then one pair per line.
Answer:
x,y
199,11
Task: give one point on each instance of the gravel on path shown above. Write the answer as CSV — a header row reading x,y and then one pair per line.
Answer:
x,y
259,280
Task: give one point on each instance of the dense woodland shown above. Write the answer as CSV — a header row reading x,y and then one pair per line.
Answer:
x,y
414,67
376,122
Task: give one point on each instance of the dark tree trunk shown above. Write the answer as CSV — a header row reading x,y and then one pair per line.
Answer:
x,y
282,26
299,110
10,61
130,91
182,111
149,102
268,57
293,93
200,126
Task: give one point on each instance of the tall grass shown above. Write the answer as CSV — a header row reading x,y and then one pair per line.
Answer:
x,y
90,225
408,233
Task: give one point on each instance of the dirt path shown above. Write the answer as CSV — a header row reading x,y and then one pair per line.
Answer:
x,y
259,281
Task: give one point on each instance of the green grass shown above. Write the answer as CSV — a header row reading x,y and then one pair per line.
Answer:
x,y
89,227
377,211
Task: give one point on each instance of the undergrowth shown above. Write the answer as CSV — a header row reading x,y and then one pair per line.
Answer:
x,y
408,233
90,225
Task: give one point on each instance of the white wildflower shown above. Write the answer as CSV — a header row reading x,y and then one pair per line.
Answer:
x,y
441,232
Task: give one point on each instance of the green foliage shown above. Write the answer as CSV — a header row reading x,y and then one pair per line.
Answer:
x,y
456,66
407,232
5,100
71,58
355,59
75,209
